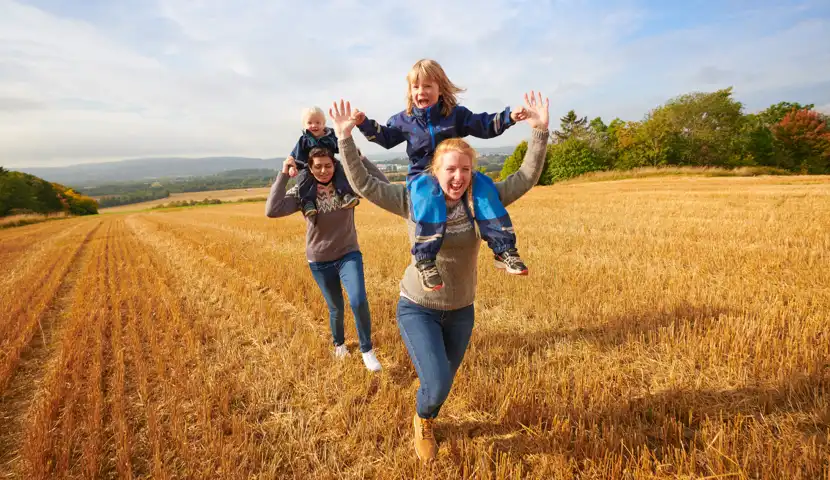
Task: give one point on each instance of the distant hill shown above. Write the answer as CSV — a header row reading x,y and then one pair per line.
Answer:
x,y
86,175
22,193
91,174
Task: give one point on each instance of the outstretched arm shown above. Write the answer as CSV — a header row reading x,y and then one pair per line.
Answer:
x,y
387,196
374,170
521,181
486,125
386,136
280,204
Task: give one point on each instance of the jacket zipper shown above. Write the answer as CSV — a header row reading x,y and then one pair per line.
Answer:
x,y
431,131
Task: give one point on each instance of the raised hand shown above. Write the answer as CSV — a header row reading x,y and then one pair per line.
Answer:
x,y
538,115
343,119
358,117
518,114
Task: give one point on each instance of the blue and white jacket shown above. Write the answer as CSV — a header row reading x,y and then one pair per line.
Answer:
x,y
426,128
307,142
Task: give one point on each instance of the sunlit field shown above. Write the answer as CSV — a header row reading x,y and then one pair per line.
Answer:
x,y
670,327
224,195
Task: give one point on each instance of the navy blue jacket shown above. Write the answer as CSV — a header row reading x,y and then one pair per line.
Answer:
x,y
426,128
307,142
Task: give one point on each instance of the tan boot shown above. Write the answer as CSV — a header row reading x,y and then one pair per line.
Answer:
x,y
425,446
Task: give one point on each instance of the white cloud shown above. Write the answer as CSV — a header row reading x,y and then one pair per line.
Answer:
x,y
220,77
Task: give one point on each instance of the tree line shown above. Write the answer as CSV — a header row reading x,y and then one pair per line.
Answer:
x,y
22,193
704,129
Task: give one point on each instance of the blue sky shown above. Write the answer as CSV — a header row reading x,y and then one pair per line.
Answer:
x,y
96,80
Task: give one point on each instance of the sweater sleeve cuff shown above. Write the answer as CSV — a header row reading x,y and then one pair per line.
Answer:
x,y
539,134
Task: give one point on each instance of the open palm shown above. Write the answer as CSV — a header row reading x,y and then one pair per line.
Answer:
x,y
538,115
342,117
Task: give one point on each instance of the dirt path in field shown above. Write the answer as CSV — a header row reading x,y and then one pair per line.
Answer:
x,y
15,401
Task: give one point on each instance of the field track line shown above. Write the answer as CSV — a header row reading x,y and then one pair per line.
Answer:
x,y
208,262
15,400
22,260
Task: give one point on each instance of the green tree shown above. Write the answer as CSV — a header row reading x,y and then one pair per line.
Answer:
x,y
598,126
514,161
570,158
696,128
16,194
572,126
46,196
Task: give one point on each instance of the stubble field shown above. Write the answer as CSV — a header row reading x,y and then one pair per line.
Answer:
x,y
670,327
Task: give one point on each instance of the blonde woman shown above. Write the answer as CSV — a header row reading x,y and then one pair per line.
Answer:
x,y
436,326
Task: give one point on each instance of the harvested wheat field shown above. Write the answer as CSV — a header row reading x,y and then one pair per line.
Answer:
x,y
232,195
670,328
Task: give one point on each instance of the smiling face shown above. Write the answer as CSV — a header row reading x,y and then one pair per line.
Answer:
x,y
316,124
454,174
322,165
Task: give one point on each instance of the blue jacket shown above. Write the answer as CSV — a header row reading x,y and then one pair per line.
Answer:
x,y
426,128
307,142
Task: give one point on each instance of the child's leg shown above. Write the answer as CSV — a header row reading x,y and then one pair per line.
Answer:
x,y
495,225
341,182
429,212
307,190
493,220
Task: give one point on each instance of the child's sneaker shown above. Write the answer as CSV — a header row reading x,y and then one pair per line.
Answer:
x,y
350,201
341,351
309,209
430,278
511,262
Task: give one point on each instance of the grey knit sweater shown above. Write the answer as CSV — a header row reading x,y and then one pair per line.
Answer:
x,y
332,234
459,251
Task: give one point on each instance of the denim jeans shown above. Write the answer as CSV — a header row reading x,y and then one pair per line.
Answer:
x,y
348,269
436,341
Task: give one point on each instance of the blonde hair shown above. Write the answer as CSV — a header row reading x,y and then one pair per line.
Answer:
x,y
430,69
452,145
311,112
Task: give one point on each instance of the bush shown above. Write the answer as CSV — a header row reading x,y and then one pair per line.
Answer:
x,y
571,158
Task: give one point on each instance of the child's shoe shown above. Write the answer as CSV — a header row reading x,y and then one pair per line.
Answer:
x,y
349,201
511,262
430,278
309,209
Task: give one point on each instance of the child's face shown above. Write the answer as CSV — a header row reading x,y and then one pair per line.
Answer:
x,y
424,92
316,124
454,174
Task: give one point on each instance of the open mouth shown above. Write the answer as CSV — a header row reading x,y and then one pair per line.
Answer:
x,y
456,188
423,102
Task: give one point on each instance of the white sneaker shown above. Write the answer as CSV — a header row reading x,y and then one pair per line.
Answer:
x,y
341,351
371,361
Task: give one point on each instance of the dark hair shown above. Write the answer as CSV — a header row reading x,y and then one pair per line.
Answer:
x,y
319,152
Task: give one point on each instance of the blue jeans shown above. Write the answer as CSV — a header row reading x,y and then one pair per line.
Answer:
x,y
436,341
349,270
